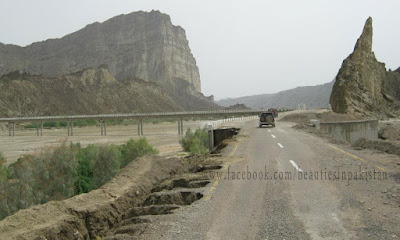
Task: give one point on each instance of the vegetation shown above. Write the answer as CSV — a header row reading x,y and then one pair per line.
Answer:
x,y
62,172
196,142
78,123
134,149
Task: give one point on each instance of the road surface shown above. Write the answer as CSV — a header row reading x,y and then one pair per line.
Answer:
x,y
240,205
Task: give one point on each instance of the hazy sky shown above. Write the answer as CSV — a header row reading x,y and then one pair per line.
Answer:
x,y
242,47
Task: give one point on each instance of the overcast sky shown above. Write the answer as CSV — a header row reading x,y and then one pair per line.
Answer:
x,y
242,47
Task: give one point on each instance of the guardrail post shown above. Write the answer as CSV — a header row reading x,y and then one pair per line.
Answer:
x,y
11,129
140,126
103,126
41,128
37,129
70,128
210,137
181,126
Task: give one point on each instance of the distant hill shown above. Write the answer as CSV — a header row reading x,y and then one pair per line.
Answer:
x,y
312,96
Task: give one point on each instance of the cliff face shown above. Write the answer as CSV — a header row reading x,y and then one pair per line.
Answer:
x,y
91,91
141,45
363,86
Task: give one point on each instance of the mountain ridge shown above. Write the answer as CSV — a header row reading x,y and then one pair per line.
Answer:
x,y
286,99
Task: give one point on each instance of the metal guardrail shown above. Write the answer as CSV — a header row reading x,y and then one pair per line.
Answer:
x,y
131,115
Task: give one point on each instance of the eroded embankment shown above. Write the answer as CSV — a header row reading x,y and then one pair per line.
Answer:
x,y
87,216
151,185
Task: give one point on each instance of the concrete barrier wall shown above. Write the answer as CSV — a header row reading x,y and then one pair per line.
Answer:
x,y
350,131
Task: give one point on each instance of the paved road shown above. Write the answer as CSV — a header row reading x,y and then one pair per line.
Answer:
x,y
244,208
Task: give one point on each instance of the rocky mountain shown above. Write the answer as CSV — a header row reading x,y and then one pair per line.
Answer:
x,y
140,45
312,96
363,85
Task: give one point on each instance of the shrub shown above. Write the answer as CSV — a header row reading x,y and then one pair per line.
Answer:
x,y
2,159
63,172
31,180
4,210
107,165
134,149
84,173
196,142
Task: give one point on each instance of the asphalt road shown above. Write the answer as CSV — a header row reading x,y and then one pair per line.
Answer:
x,y
258,194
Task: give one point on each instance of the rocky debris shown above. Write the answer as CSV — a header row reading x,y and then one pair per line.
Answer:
x,y
390,147
363,86
389,130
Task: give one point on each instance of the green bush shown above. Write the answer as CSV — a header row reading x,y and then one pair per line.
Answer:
x,y
62,172
134,149
107,165
37,179
196,142
84,172
4,210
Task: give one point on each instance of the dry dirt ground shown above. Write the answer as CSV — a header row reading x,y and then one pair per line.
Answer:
x,y
163,136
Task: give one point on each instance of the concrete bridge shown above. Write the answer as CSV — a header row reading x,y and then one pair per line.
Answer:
x,y
138,116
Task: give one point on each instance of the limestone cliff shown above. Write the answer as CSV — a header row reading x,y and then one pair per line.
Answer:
x,y
144,45
363,86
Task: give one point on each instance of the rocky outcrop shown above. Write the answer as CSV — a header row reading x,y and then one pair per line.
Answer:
x,y
363,86
91,91
144,45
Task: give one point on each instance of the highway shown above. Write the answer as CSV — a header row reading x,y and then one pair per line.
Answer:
x,y
242,203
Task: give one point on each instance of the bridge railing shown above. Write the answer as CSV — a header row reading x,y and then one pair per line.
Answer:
x,y
139,116
131,115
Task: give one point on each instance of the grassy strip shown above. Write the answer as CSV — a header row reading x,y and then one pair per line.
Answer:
x,y
62,172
